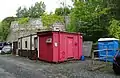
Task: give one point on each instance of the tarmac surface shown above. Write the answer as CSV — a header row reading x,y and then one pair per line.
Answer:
x,y
19,67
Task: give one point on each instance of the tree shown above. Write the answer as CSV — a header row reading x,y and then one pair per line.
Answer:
x,y
1,33
22,12
114,29
62,11
34,11
5,26
37,10
86,18
115,8
18,14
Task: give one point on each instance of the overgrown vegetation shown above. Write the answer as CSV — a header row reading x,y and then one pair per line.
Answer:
x,y
48,20
23,20
114,29
86,17
5,27
92,18
1,34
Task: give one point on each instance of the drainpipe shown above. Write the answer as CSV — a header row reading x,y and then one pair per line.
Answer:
x,y
65,15
30,44
20,45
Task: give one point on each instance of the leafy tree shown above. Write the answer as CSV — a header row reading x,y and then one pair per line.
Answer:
x,y
5,26
115,8
86,18
18,14
5,30
22,12
1,33
114,29
34,11
37,10
62,11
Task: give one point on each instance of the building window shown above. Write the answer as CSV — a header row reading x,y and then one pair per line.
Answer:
x,y
57,28
25,44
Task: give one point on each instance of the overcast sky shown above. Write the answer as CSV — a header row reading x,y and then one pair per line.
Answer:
x,y
9,7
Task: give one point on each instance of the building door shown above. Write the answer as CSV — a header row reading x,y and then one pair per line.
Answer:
x,y
15,47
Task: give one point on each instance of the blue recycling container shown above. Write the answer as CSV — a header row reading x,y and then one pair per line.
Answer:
x,y
111,44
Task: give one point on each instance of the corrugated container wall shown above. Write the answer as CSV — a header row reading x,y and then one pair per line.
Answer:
x,y
108,47
55,46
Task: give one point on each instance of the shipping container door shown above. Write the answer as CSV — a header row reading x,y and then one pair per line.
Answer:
x,y
70,47
42,48
45,48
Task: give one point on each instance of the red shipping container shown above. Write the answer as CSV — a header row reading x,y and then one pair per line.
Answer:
x,y
56,46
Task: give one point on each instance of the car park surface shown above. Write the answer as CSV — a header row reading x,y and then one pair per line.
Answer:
x,y
19,67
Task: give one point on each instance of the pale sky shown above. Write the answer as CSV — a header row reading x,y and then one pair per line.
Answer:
x,y
9,7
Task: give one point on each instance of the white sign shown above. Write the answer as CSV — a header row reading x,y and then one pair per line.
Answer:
x,y
56,44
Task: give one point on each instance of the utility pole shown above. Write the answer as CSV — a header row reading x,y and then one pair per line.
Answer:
x,y
64,5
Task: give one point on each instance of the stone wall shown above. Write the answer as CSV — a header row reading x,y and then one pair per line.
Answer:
x,y
34,25
19,30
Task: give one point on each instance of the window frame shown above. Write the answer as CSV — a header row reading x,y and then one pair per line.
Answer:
x,y
26,44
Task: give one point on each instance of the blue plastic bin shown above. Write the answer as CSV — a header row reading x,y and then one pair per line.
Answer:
x,y
82,58
111,44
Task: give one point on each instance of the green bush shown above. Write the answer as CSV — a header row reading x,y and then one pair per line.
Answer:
x,y
114,29
23,20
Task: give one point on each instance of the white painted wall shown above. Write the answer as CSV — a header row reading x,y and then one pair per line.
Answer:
x,y
18,44
33,44
28,42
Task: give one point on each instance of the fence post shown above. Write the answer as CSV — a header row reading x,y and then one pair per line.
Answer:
x,y
93,57
106,55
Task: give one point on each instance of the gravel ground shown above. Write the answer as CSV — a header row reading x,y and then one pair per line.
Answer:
x,y
19,67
